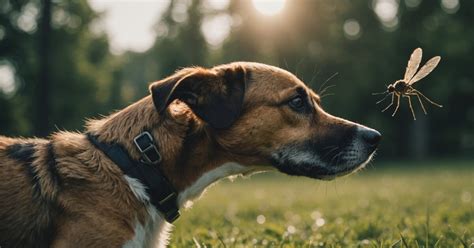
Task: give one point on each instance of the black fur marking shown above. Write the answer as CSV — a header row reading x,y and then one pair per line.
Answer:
x,y
335,137
326,148
286,166
41,230
25,153
22,152
51,163
305,169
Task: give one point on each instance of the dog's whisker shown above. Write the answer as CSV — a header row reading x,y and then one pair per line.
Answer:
x,y
297,67
337,155
286,64
331,151
330,94
329,147
315,74
326,88
327,80
339,159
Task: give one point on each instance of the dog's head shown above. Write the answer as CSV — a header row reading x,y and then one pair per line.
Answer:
x,y
260,114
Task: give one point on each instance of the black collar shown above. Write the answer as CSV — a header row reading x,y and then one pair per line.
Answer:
x,y
162,194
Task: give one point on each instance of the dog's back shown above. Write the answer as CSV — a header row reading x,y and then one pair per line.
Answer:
x,y
59,192
27,209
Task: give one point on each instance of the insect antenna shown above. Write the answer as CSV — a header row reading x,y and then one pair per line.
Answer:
x,y
380,93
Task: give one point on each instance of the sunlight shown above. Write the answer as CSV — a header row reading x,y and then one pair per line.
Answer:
x,y
7,77
269,7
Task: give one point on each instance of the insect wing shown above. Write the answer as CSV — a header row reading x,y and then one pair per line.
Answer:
x,y
425,70
413,64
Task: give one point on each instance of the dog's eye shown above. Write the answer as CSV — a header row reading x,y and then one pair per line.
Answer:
x,y
297,103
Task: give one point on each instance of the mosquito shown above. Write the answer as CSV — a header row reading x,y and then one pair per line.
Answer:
x,y
404,88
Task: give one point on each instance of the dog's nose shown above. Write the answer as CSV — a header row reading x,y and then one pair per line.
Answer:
x,y
370,136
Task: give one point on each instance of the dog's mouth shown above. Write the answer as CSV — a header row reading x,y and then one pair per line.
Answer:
x,y
303,163
338,154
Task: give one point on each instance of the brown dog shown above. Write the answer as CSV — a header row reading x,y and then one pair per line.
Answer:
x,y
69,190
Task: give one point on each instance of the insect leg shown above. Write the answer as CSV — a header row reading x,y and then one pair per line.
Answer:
x,y
427,99
381,100
411,106
393,98
398,105
421,103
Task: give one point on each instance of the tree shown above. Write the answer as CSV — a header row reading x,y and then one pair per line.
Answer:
x,y
64,69
179,43
43,88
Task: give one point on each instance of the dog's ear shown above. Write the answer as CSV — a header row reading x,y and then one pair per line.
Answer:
x,y
216,95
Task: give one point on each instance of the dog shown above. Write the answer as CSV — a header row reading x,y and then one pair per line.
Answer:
x,y
123,181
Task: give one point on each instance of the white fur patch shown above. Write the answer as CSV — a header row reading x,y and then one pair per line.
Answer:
x,y
155,231
137,188
300,157
208,178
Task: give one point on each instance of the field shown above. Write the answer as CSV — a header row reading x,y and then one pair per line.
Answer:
x,y
387,205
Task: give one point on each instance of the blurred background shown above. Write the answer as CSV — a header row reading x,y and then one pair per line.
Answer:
x,y
62,61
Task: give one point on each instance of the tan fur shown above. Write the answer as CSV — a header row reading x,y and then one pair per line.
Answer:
x,y
94,206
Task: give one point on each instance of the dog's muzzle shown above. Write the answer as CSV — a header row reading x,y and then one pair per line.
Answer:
x,y
329,158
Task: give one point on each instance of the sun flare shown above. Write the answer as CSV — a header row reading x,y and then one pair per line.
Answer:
x,y
269,7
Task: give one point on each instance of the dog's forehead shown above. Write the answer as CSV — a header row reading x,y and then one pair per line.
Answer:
x,y
270,78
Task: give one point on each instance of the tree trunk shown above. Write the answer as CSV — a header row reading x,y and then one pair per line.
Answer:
x,y
42,101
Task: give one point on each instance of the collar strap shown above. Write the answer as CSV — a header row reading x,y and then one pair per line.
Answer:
x,y
162,194
146,145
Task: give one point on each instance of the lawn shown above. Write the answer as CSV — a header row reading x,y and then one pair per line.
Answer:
x,y
427,204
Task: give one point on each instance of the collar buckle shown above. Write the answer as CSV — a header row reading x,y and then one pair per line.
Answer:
x,y
171,213
146,145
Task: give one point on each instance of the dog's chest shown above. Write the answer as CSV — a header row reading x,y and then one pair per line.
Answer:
x,y
154,232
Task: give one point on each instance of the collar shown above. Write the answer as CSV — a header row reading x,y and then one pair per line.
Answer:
x,y
162,194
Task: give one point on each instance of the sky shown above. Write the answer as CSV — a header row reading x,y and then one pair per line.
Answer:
x,y
129,24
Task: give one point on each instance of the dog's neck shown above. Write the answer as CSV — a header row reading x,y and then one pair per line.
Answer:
x,y
191,159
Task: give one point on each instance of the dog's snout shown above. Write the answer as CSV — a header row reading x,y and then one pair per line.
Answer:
x,y
370,136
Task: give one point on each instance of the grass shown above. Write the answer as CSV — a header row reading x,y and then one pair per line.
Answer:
x,y
387,205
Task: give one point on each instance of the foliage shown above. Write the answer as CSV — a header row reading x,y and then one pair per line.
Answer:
x,y
307,38
427,205
81,69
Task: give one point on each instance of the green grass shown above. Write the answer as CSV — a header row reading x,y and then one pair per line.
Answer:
x,y
396,205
